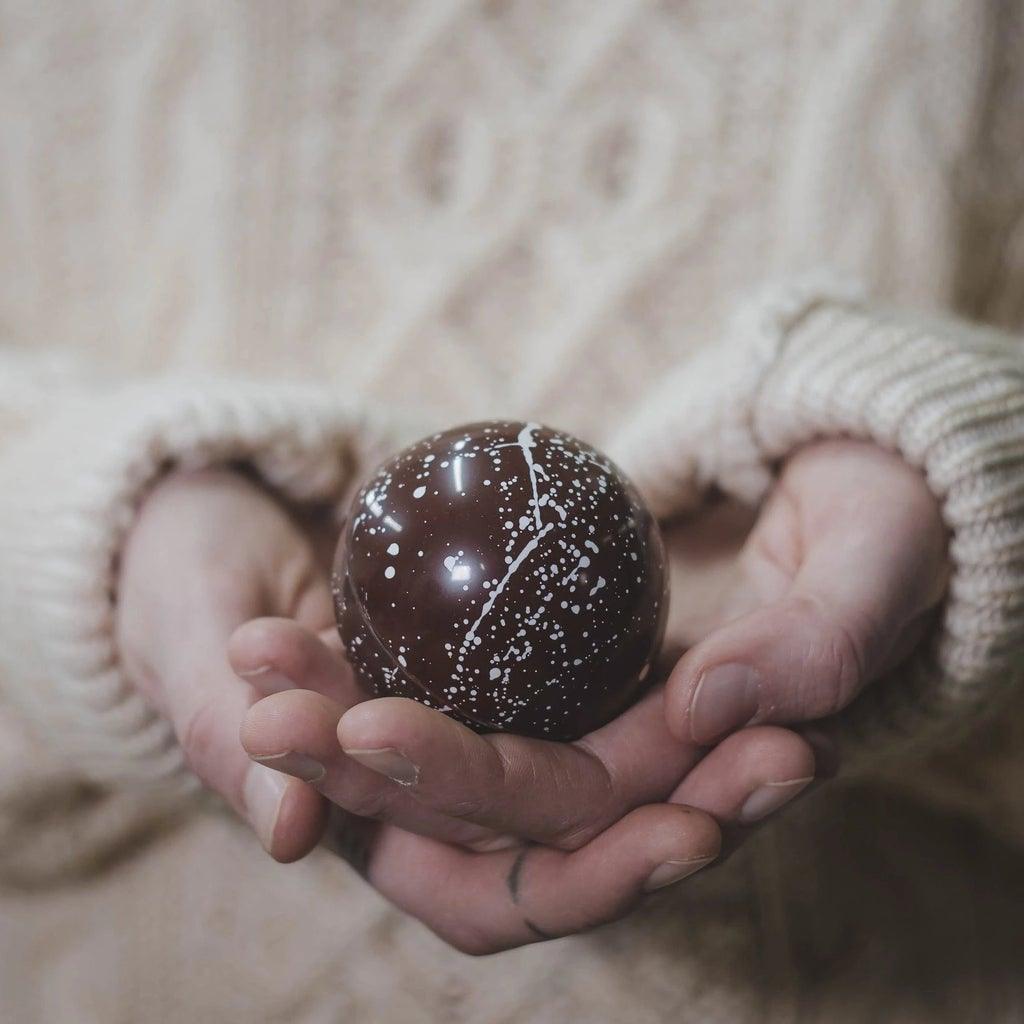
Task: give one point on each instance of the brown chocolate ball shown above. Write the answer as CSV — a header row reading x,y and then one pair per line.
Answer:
x,y
506,574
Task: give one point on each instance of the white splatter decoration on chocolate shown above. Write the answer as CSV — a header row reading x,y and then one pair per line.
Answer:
x,y
510,605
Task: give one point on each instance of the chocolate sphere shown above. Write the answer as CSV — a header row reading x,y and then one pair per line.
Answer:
x,y
506,574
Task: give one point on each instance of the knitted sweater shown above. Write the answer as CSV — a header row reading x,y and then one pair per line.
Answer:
x,y
283,233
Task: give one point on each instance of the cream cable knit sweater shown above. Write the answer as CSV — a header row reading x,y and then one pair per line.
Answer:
x,y
453,210
798,365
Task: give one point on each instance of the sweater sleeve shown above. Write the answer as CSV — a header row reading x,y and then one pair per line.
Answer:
x,y
74,466
815,360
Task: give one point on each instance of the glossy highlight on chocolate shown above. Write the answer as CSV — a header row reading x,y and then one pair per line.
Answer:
x,y
506,574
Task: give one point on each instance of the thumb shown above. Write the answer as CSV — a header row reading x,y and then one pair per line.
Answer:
x,y
866,566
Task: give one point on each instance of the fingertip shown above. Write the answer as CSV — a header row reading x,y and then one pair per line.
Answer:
x,y
384,722
301,819
678,830
257,643
664,833
781,751
649,848
791,661
682,841
274,654
679,689
292,720
749,775
257,721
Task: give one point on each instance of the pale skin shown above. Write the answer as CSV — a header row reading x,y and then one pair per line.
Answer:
x,y
225,622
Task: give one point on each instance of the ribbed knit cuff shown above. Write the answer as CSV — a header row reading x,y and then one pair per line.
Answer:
x,y
816,361
71,487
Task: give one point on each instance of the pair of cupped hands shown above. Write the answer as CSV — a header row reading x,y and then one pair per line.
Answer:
x,y
777,623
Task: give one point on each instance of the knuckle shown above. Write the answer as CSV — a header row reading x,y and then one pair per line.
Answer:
x,y
577,828
574,834
265,637
579,770
775,538
467,806
837,659
562,794
473,795
598,801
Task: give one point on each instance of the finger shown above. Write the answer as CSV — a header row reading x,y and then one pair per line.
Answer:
x,y
749,775
274,654
483,903
287,815
295,732
561,794
867,564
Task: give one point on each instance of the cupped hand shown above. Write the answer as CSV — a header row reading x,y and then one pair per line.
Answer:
x,y
208,551
843,571
211,552
498,840
839,576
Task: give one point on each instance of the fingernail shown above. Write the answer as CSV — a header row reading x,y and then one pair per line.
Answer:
x,y
267,680
673,871
770,797
389,762
263,792
291,763
725,699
